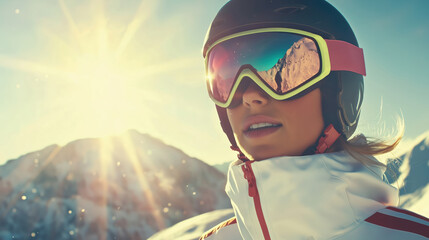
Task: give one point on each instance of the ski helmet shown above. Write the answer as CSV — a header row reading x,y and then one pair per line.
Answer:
x,y
342,91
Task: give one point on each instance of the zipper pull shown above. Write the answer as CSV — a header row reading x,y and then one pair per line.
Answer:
x,y
250,177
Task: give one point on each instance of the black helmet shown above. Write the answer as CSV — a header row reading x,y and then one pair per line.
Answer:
x,y
342,91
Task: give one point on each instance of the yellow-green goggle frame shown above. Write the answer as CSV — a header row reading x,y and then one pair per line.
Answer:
x,y
325,66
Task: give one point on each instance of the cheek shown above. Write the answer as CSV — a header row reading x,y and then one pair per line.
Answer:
x,y
311,117
311,123
234,119
304,116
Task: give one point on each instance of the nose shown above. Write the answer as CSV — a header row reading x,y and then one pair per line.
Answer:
x,y
253,96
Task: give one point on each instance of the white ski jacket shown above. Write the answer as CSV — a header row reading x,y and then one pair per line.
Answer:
x,y
323,196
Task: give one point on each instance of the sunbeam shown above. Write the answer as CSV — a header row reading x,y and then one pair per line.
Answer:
x,y
168,66
28,66
132,154
105,162
73,28
144,11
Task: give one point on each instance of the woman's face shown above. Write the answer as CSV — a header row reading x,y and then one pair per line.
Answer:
x,y
264,127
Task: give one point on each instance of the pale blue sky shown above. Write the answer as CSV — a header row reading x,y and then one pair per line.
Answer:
x,y
74,69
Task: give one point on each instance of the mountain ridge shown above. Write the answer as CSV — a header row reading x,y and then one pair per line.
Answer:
x,y
126,187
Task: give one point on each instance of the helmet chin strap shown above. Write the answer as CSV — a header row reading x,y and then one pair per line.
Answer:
x,y
329,136
240,155
326,140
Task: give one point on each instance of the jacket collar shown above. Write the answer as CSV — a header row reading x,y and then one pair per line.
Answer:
x,y
308,197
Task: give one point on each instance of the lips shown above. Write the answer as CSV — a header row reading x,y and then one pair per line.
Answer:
x,y
260,125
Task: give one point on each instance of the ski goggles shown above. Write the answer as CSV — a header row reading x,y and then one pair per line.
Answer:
x,y
283,62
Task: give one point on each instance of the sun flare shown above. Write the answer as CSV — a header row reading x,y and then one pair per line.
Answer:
x,y
91,62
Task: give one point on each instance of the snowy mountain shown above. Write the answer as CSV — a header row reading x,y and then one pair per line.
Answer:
x,y
121,187
222,167
412,171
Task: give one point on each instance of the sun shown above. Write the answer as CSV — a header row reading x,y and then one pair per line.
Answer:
x,y
103,67
98,68
94,62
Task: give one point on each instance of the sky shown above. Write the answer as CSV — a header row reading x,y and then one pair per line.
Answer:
x,y
79,69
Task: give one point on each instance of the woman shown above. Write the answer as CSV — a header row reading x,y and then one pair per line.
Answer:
x,y
287,80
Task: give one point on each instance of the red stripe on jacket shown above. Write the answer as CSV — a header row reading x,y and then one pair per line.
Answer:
x,y
400,224
408,213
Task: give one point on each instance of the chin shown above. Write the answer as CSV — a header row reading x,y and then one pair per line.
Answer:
x,y
264,152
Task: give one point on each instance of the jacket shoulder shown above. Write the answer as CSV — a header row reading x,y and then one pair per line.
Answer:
x,y
225,230
392,223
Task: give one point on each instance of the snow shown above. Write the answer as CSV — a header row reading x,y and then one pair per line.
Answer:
x,y
193,228
418,202
412,170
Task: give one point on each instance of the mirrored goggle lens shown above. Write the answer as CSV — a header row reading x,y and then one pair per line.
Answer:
x,y
282,61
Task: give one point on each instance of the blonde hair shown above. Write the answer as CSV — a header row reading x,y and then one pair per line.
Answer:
x,y
364,148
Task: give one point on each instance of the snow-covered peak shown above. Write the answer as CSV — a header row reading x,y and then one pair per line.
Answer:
x,y
118,186
410,172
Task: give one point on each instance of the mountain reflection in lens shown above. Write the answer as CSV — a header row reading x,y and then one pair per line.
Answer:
x,y
283,61
300,63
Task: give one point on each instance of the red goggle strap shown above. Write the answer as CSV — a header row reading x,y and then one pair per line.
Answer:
x,y
345,56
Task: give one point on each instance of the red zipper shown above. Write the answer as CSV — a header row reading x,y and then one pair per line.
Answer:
x,y
253,192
